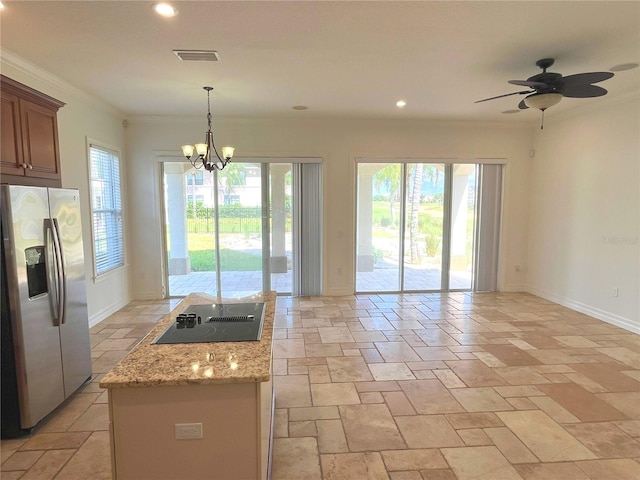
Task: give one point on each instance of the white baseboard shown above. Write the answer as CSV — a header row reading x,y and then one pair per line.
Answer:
x,y
594,312
96,318
148,295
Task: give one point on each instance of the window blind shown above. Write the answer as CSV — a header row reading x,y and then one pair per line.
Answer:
x,y
307,228
106,209
488,228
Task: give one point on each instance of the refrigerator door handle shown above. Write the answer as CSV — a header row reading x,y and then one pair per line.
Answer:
x,y
55,266
52,266
62,275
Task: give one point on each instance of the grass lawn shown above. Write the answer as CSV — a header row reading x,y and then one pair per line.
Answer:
x,y
230,260
203,257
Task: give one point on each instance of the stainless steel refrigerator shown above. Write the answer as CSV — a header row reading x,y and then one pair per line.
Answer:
x,y
46,353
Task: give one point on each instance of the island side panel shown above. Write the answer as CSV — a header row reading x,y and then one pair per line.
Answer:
x,y
265,413
143,425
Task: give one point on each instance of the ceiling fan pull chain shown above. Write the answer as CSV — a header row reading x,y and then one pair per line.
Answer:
x,y
542,122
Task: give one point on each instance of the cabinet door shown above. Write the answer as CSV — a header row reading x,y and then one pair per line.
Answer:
x,y
11,162
40,140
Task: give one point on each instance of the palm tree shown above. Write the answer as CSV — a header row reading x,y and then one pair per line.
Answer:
x,y
414,199
233,174
433,174
389,178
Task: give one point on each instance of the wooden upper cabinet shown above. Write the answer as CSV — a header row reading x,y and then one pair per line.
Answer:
x,y
30,151
11,159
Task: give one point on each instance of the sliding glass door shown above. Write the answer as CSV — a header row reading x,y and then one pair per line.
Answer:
x,y
379,219
415,227
423,227
214,229
462,224
233,232
281,227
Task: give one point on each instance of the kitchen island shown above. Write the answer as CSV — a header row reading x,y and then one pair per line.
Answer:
x,y
193,410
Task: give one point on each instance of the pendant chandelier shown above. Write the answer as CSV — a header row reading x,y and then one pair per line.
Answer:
x,y
207,154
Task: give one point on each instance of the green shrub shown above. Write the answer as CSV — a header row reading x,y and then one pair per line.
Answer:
x,y
432,228
378,255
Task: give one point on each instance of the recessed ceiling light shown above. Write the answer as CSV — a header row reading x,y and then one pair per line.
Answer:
x,y
165,10
511,111
623,66
401,103
1,5
300,107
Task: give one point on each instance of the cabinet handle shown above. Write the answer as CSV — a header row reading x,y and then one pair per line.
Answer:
x,y
30,167
24,165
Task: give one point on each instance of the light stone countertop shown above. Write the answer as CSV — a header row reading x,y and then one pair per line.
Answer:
x,y
197,363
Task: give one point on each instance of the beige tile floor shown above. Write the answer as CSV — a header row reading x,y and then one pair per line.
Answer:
x,y
403,387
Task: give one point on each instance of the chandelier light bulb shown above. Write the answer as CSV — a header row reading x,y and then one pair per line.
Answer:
x,y
201,148
187,151
227,152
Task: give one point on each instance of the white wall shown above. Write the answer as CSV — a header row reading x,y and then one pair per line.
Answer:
x,y
82,116
570,215
338,142
585,211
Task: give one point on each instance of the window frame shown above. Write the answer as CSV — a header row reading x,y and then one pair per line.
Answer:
x,y
195,178
119,261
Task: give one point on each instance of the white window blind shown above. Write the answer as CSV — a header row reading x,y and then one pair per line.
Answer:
x,y
307,227
106,209
488,228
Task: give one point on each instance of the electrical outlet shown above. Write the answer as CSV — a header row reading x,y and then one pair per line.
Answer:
x,y
188,431
615,292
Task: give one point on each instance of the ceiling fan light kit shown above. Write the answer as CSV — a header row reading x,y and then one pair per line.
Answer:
x,y
542,101
548,88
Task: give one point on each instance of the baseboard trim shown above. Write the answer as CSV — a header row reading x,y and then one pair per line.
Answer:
x,y
514,287
96,318
603,315
149,295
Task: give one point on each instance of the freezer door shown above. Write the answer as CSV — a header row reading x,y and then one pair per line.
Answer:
x,y
30,281
74,327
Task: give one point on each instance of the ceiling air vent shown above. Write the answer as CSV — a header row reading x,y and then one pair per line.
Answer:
x,y
197,55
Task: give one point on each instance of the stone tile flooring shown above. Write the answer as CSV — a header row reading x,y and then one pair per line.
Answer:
x,y
402,387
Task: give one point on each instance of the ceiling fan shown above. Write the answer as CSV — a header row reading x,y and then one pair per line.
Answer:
x,y
546,89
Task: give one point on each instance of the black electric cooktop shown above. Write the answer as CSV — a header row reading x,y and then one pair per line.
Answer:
x,y
221,322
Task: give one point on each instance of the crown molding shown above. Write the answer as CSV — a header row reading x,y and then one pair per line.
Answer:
x,y
381,122
160,120
10,59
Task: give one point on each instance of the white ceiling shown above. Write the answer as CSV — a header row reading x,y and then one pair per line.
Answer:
x,y
340,58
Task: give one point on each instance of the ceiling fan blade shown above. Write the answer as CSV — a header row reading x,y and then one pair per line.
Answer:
x,y
586,78
583,91
522,105
506,95
527,83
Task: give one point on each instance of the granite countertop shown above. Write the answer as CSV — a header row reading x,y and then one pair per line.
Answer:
x,y
197,363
